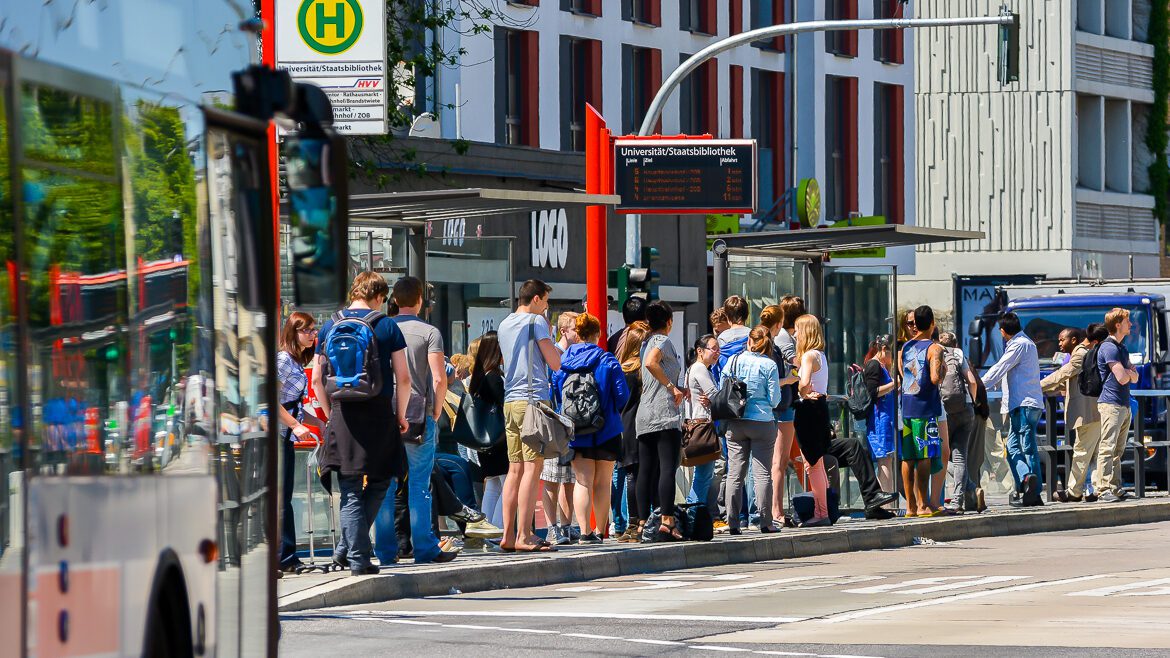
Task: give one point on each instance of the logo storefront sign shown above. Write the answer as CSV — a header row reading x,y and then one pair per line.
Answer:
x,y
340,46
550,239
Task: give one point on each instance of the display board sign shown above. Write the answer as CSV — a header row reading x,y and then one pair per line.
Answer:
x,y
684,176
340,46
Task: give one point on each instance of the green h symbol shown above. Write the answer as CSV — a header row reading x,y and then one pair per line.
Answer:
x,y
337,20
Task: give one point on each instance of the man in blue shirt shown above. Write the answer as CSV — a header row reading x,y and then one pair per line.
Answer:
x,y
1116,377
1023,400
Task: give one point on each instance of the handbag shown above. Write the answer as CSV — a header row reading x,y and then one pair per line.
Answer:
x,y
544,431
478,425
700,443
730,400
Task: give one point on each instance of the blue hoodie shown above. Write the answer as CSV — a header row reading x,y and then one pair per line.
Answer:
x,y
587,357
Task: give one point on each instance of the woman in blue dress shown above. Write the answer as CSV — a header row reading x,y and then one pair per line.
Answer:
x,y
879,426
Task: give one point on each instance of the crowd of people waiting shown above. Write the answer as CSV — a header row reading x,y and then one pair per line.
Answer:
x,y
651,408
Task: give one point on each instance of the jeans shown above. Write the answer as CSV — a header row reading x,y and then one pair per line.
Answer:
x,y
701,483
1022,452
458,473
359,506
617,501
288,531
420,459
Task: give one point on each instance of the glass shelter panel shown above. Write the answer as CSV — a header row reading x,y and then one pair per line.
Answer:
x,y
859,305
763,280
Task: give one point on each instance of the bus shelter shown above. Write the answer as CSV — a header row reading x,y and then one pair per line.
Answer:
x,y
855,302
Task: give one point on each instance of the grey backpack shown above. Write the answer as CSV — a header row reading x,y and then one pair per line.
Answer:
x,y
953,388
582,402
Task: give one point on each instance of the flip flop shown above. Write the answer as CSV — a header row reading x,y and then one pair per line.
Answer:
x,y
543,547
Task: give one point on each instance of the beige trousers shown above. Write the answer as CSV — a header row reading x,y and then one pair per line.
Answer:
x,y
1115,420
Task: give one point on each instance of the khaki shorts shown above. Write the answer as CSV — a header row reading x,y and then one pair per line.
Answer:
x,y
513,420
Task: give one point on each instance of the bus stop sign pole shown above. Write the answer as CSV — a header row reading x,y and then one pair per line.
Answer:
x,y
598,161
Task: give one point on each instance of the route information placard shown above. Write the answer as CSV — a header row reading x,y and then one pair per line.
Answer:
x,y
340,46
669,176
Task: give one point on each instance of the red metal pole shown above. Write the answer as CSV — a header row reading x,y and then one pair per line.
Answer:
x,y
268,58
596,290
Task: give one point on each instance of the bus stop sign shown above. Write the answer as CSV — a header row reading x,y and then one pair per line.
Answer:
x,y
685,176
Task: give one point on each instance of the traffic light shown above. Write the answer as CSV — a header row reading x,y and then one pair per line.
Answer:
x,y
1009,48
619,279
644,278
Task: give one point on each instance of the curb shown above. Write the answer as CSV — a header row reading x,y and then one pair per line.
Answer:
x,y
584,565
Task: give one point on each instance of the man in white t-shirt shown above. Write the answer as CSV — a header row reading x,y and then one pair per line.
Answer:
x,y
529,353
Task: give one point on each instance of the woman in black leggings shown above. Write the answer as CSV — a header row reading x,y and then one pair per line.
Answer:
x,y
659,421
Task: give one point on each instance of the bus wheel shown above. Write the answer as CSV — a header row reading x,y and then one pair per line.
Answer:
x,y
168,621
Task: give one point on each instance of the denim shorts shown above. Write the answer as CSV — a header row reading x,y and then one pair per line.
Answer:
x,y
786,416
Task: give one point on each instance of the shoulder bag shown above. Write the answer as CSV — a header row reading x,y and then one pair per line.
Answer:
x,y
478,425
544,431
700,443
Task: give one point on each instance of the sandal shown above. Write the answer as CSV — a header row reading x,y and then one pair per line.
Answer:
x,y
669,532
632,535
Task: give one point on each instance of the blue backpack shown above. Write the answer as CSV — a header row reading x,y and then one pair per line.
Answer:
x,y
353,373
726,352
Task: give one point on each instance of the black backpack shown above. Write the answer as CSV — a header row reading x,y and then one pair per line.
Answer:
x,y
1090,381
582,402
730,400
858,399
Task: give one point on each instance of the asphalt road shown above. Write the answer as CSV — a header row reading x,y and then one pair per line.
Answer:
x,y
1103,592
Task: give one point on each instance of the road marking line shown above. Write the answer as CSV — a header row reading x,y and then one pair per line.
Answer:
x,y
650,585
411,622
971,583
579,615
1114,589
588,636
646,641
828,581
889,587
956,597
712,647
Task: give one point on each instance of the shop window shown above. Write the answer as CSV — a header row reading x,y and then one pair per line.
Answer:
x,y
697,16
841,42
764,14
768,130
644,12
581,59
888,45
584,7
888,152
698,99
641,78
517,88
840,147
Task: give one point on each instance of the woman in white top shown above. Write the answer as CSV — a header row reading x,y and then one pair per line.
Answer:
x,y
813,431
700,387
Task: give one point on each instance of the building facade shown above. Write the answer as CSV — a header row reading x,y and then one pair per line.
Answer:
x,y
1053,168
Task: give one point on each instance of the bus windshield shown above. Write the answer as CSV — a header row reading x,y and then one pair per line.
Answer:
x,y
1043,326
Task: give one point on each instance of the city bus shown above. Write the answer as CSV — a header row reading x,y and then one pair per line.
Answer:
x,y
138,324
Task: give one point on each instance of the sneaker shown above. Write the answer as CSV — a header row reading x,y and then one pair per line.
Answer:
x,y
482,529
562,536
1092,497
1110,497
720,526
591,538
467,515
573,532
368,570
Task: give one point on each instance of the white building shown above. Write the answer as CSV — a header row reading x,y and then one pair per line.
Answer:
x,y
526,81
1052,168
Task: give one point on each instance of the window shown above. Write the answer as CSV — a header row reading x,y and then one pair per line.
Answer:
x,y
734,17
641,78
768,130
766,13
584,7
840,197
517,101
888,44
581,59
735,85
698,100
889,163
697,16
645,12
841,42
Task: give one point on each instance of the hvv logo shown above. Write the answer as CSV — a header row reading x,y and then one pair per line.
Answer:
x,y
550,238
367,83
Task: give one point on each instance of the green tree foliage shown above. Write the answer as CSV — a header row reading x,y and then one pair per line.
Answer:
x,y
1156,134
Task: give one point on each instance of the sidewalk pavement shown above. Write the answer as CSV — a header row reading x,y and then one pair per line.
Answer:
x,y
477,571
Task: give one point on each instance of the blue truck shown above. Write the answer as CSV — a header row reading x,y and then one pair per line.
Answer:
x,y
1048,307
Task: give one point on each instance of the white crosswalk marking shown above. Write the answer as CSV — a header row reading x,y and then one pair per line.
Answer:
x,y
790,584
1127,587
935,584
647,585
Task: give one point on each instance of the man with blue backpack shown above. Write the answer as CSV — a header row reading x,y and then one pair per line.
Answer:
x,y
359,368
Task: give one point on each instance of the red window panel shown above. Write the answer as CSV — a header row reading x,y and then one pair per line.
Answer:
x,y
530,51
778,16
708,21
593,7
735,20
735,83
654,75
710,98
593,73
889,44
849,111
841,42
897,128
656,20
779,147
